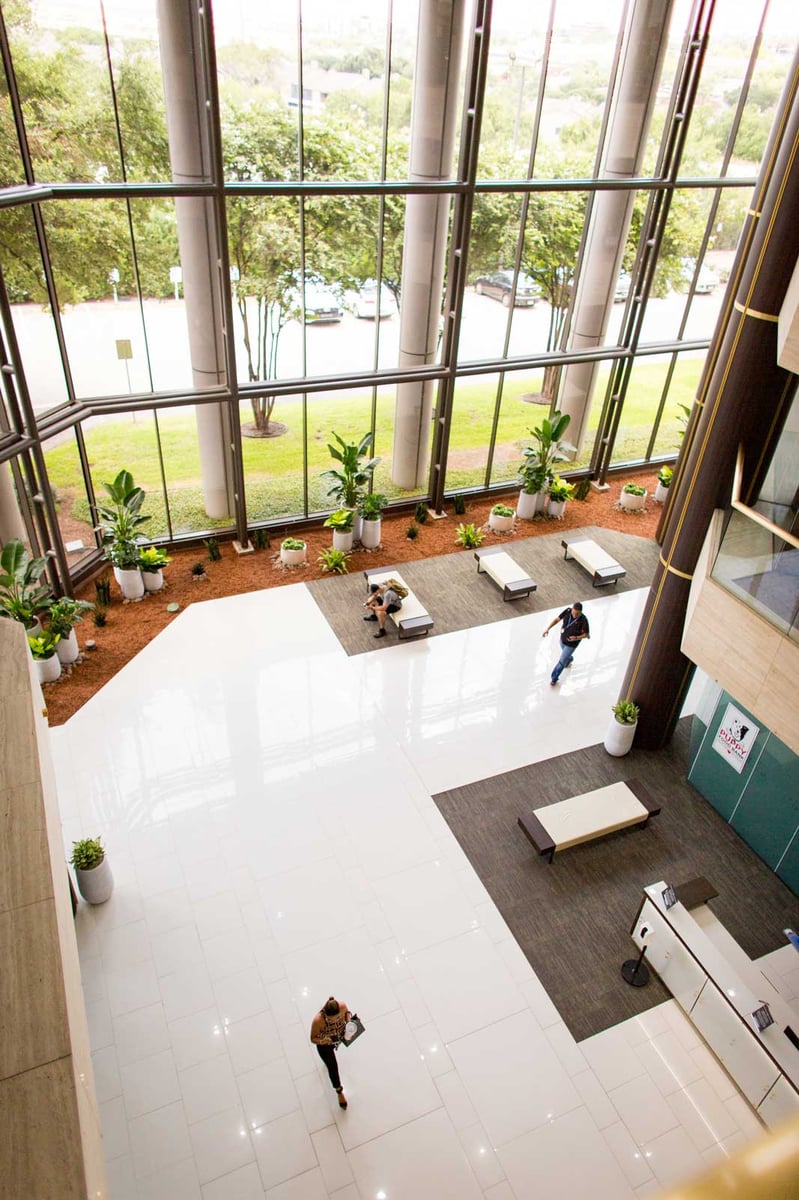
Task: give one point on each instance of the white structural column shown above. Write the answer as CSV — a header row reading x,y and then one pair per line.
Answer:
x,y
639,75
189,151
433,123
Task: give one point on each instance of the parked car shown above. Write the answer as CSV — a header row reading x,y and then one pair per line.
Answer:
x,y
500,285
707,280
622,287
321,302
365,304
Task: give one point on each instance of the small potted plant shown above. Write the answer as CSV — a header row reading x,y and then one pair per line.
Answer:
x,y
198,571
95,881
341,522
353,476
664,482
538,461
633,497
43,648
559,492
621,731
501,518
468,536
121,518
334,560
22,597
371,508
293,552
65,614
152,562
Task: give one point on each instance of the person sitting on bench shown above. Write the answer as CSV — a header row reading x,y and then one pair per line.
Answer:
x,y
573,629
382,601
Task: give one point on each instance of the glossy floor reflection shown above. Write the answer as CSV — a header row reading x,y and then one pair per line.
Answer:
x,y
266,805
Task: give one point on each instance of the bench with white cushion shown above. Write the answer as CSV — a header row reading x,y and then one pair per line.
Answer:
x,y
600,565
506,574
412,619
588,816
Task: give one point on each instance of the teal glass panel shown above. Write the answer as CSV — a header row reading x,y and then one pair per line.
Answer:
x,y
788,870
712,773
768,815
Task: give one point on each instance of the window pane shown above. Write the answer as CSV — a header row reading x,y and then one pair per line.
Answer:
x,y
71,498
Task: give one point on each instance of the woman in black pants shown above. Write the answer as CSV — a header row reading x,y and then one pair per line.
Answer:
x,y
327,1030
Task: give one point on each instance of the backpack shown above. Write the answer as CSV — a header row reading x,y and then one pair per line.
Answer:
x,y
397,587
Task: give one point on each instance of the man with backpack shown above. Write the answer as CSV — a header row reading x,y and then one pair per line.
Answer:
x,y
385,598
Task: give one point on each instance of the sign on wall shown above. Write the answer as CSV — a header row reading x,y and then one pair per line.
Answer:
x,y
735,737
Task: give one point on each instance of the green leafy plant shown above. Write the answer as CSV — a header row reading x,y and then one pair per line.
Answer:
x,y
212,546
459,505
371,506
153,559
334,561
665,475
260,539
292,543
100,617
65,613
87,854
354,476
683,416
412,532
626,712
21,594
121,519
502,510
634,489
560,489
548,448
102,590
468,536
582,489
341,520
421,513
198,569
43,645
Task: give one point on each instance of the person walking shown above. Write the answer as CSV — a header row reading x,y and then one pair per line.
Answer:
x,y
574,629
327,1030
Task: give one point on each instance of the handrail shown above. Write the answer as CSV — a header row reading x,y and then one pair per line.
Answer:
x,y
751,513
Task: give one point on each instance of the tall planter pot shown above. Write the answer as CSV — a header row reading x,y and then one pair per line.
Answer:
x,y
371,533
556,507
130,582
342,539
529,504
67,649
661,493
48,669
619,737
153,580
357,526
97,884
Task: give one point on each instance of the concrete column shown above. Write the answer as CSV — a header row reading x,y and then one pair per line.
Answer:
x,y
189,151
433,127
744,398
638,79
11,523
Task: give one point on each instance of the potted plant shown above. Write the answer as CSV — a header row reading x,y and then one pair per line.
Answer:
x,y
22,596
334,560
65,614
292,552
95,881
501,518
559,492
633,497
354,476
664,482
152,562
43,648
538,461
341,522
468,536
621,731
371,508
120,522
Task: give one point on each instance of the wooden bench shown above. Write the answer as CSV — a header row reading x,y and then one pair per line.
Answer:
x,y
602,568
498,565
412,619
588,816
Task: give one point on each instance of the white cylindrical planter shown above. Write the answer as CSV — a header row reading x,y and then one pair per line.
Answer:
x,y
130,583
619,737
371,533
661,493
48,669
500,524
153,580
97,884
556,507
632,503
67,649
293,558
527,505
342,540
357,526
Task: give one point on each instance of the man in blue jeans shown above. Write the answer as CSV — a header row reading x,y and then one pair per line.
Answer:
x,y
574,628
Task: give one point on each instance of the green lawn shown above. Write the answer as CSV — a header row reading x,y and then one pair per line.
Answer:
x,y
273,466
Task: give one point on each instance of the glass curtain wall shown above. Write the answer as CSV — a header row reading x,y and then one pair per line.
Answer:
x,y
316,115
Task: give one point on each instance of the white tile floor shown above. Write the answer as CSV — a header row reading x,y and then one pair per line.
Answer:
x,y
266,804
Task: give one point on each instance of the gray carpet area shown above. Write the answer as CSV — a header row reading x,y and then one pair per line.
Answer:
x,y
572,919
458,598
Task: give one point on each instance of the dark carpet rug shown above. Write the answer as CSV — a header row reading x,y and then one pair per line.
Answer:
x,y
458,598
573,918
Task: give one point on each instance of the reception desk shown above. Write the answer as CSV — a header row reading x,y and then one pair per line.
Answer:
x,y
719,987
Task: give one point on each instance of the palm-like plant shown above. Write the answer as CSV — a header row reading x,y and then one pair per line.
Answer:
x,y
21,594
66,613
354,476
121,519
549,448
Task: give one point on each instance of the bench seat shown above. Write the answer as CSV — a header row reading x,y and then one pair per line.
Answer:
x,y
600,565
588,816
505,572
413,619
